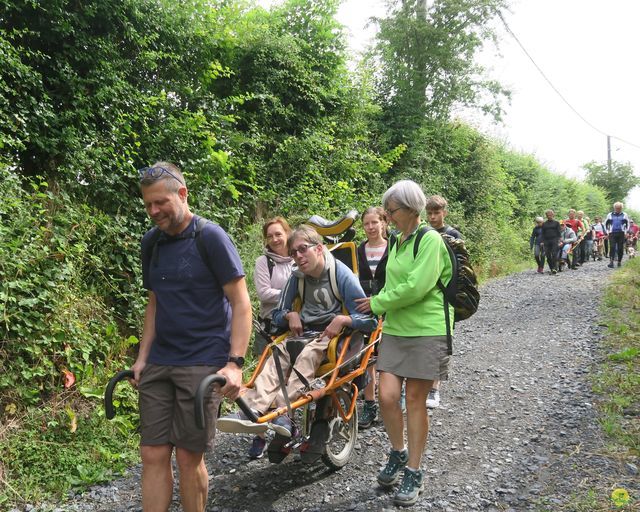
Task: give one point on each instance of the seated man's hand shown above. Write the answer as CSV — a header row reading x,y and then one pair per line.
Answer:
x,y
336,325
295,323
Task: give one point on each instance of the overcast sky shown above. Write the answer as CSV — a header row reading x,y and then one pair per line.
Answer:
x,y
588,49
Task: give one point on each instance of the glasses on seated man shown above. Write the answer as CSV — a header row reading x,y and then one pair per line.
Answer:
x,y
301,249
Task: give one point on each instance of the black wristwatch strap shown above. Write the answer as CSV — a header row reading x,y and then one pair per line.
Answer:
x,y
238,360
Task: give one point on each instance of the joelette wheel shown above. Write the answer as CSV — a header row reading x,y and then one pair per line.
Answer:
x,y
342,434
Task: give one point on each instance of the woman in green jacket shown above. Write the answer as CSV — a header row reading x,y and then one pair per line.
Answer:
x,y
414,339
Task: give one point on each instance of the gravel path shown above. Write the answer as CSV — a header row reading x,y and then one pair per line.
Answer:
x,y
517,428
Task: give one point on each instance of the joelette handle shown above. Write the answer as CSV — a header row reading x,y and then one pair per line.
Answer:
x,y
203,388
108,394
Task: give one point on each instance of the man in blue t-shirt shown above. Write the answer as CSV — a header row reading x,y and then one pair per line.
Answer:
x,y
197,322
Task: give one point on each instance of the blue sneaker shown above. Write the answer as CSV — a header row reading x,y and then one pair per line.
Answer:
x,y
258,446
282,425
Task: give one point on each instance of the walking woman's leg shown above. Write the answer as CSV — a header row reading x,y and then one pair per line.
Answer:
x,y
389,390
417,419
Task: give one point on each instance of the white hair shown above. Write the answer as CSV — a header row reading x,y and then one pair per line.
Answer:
x,y
407,194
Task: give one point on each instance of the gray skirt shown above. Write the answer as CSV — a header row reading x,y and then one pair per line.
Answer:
x,y
422,357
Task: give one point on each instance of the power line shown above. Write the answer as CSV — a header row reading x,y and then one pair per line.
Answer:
x,y
592,126
626,142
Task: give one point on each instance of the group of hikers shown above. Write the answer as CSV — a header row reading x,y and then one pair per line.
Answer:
x,y
571,242
198,321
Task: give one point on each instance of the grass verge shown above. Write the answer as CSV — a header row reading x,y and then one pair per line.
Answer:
x,y
618,378
617,382
63,445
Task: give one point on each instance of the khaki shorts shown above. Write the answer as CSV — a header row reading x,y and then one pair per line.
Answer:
x,y
166,400
422,357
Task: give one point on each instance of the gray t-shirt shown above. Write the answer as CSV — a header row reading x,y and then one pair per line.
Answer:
x,y
320,305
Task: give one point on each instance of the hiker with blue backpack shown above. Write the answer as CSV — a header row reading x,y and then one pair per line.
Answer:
x,y
197,321
415,340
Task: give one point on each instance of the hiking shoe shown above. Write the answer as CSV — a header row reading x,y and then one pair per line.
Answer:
x,y
279,448
282,443
410,489
619,263
554,271
391,472
315,446
610,265
433,400
540,270
258,446
369,413
283,426
238,423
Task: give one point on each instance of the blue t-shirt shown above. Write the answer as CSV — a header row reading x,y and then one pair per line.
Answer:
x,y
193,316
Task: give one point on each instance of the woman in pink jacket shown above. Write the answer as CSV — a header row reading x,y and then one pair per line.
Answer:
x,y
272,272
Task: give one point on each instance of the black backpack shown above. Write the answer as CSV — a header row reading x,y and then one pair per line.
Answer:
x,y
462,290
150,246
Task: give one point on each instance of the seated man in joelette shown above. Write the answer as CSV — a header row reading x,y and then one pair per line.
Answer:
x,y
323,313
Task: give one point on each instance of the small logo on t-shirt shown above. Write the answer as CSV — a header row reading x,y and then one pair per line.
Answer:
x,y
185,269
321,296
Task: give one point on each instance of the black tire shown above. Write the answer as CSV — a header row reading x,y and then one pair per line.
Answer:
x,y
343,435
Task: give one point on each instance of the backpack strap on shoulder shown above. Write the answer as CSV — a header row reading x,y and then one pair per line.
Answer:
x,y
447,317
393,240
150,249
416,242
153,246
301,290
270,265
202,249
333,281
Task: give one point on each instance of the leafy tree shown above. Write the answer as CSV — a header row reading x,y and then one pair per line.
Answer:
x,y
304,121
426,61
616,183
105,86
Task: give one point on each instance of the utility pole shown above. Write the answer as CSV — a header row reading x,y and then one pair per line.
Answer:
x,y
609,153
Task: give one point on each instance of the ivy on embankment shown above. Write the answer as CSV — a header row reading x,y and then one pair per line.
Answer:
x,y
64,299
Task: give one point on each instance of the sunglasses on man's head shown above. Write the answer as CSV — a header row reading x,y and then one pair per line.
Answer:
x,y
155,173
301,249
